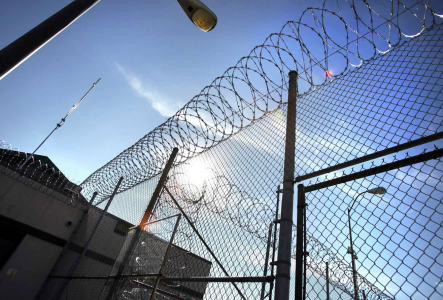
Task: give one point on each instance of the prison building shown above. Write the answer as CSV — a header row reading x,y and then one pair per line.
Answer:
x,y
41,210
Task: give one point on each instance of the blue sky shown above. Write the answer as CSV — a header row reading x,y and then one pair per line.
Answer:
x,y
151,59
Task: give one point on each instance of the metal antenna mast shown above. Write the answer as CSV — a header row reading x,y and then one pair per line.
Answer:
x,y
59,124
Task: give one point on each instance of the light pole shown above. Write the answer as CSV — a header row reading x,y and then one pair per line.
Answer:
x,y
21,49
376,191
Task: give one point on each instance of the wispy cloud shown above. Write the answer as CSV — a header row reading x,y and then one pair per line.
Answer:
x,y
161,104
166,107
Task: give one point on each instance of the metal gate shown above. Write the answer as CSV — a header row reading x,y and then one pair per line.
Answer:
x,y
373,233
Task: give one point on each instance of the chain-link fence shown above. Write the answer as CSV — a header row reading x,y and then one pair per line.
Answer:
x,y
366,138
378,232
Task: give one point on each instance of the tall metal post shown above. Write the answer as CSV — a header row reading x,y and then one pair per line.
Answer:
x,y
159,188
277,206
327,281
203,241
354,272
305,252
165,258
86,247
147,215
283,276
68,243
22,48
100,219
300,251
265,271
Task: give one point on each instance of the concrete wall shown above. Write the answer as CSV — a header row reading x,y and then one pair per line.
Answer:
x,y
33,260
21,202
28,207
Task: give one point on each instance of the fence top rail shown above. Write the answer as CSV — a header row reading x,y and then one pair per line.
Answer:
x,y
376,170
178,279
378,154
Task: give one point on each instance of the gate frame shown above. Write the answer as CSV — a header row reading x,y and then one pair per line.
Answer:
x,y
300,276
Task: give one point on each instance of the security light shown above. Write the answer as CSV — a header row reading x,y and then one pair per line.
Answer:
x,y
199,14
377,191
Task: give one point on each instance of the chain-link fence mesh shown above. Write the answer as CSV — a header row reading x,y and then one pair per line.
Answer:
x,y
395,219
227,194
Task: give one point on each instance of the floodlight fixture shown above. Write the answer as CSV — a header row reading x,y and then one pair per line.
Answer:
x,y
377,191
199,14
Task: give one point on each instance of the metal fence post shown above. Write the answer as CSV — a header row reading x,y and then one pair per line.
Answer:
x,y
148,213
265,271
273,262
165,258
305,252
68,243
327,281
203,240
146,216
283,277
299,254
86,247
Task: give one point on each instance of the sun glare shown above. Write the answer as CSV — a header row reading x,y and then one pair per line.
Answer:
x,y
197,174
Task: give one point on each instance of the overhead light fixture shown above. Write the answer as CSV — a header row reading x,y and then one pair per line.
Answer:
x,y
377,191
199,14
